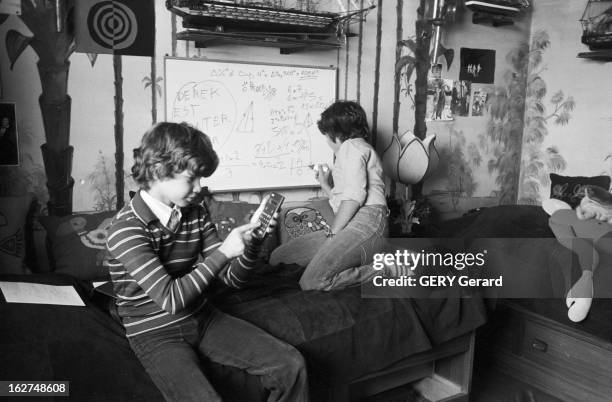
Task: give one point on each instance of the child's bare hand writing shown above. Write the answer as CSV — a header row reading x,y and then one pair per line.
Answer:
x,y
233,245
322,173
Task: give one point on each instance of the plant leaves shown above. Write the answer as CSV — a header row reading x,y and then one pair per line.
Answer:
x,y
159,91
402,62
16,43
409,43
92,58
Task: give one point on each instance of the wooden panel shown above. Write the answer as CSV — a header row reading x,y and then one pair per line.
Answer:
x,y
569,356
550,381
555,357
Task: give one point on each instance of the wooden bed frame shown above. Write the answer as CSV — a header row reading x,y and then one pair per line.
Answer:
x,y
443,373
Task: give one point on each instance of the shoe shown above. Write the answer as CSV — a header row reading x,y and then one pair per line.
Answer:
x,y
578,307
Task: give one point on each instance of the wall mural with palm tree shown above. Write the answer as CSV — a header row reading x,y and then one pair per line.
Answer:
x,y
538,161
54,47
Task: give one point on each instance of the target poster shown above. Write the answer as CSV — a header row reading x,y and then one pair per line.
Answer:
x,y
125,27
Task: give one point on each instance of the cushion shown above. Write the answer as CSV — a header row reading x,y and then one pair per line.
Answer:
x,y
77,244
571,188
15,228
226,215
299,218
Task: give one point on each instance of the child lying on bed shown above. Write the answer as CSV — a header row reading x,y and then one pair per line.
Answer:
x,y
164,255
343,256
587,232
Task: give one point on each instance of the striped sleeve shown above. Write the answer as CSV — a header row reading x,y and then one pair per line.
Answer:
x,y
236,273
130,243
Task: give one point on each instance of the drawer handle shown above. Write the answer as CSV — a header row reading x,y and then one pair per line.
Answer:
x,y
539,345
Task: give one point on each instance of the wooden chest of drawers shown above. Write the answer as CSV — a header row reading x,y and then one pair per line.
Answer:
x,y
558,357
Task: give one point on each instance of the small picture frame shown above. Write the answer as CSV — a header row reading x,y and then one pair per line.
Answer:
x,y
9,139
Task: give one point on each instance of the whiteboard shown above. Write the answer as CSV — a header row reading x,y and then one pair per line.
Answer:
x,y
261,118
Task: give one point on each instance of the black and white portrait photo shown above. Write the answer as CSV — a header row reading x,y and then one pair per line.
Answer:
x,y
9,150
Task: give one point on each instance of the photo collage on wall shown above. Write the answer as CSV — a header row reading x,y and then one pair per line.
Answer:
x,y
447,98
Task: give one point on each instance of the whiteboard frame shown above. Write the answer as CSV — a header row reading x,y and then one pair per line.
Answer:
x,y
200,59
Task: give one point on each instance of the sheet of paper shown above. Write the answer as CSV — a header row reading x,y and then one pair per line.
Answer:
x,y
37,293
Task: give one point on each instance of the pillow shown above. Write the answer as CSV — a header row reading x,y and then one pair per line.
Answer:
x,y
15,231
77,244
298,218
226,215
571,189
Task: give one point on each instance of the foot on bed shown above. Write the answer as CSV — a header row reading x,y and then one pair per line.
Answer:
x,y
580,297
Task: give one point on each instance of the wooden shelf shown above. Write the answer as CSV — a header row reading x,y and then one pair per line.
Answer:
x,y
600,55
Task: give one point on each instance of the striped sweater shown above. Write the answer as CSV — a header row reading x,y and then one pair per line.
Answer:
x,y
161,277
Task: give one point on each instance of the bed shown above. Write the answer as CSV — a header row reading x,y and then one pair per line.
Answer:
x,y
354,346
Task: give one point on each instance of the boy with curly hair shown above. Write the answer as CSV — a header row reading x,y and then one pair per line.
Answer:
x,y
164,254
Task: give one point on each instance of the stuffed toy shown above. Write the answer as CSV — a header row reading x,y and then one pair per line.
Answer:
x,y
587,232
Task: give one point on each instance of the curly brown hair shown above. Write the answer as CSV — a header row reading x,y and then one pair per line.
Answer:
x,y
344,120
167,149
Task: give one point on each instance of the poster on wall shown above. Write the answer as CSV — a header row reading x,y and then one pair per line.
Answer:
x,y
125,27
439,96
479,101
9,151
477,65
10,7
460,103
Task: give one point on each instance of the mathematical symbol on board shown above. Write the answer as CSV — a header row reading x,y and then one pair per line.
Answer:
x,y
308,120
247,124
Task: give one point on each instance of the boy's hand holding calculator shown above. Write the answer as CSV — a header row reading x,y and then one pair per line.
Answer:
x,y
266,214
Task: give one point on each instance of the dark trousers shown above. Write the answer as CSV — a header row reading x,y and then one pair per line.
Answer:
x,y
173,357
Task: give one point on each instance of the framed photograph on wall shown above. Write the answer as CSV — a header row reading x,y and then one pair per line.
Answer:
x,y
460,105
479,101
439,96
477,65
9,143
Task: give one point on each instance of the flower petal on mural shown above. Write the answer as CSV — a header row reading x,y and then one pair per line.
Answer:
x,y
15,45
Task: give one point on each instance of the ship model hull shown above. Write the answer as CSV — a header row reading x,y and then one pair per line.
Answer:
x,y
597,41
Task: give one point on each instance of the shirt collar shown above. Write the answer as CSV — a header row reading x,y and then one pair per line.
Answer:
x,y
150,209
158,208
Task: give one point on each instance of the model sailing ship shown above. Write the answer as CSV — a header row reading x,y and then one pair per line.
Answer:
x,y
597,24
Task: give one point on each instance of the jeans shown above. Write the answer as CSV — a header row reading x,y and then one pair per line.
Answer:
x,y
340,261
172,357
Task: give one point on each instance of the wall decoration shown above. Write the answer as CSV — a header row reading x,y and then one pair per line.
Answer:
x,y
501,141
460,103
538,162
125,27
9,150
439,96
479,101
477,65
458,162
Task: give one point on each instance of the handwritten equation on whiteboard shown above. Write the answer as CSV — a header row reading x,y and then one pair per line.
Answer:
x,y
262,119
